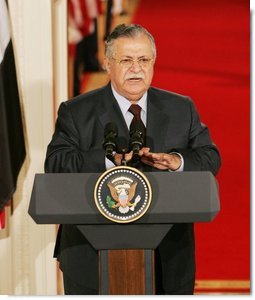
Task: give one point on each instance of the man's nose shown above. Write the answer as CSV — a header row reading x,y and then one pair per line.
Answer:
x,y
136,66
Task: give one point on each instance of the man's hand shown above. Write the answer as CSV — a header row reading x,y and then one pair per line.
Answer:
x,y
161,161
118,157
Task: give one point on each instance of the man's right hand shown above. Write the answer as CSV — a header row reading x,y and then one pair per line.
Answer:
x,y
118,157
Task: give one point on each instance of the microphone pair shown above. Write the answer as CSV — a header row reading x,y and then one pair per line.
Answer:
x,y
136,142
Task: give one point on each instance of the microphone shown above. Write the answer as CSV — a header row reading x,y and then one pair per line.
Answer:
x,y
136,142
110,136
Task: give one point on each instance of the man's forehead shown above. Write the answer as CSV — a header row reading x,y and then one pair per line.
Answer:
x,y
127,45
130,39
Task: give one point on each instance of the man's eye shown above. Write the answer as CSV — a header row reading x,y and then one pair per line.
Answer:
x,y
126,61
144,60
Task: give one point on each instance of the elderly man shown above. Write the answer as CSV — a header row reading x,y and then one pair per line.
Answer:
x,y
175,141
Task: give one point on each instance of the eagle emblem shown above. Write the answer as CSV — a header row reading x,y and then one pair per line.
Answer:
x,y
122,194
122,190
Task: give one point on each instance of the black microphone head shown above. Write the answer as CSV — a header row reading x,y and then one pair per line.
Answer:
x,y
111,127
110,142
137,135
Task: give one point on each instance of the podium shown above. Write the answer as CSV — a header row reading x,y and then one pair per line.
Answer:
x,y
125,250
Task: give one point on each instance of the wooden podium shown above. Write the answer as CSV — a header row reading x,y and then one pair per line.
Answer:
x,y
126,251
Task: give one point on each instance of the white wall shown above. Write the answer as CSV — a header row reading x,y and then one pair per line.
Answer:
x,y
39,33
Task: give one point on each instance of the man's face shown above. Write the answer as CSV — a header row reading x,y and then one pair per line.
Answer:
x,y
131,79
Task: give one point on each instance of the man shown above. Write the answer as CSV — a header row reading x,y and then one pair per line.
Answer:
x,y
175,141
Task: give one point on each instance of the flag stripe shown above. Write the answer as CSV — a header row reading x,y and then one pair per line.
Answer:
x,y
2,219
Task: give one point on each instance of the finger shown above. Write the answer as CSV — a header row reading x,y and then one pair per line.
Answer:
x,y
147,161
160,167
129,155
145,149
148,154
157,156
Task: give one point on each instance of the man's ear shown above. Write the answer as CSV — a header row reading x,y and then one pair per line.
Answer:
x,y
107,65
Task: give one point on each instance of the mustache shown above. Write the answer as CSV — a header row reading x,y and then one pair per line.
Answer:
x,y
134,76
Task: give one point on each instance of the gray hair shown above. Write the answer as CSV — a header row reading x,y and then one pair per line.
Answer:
x,y
131,31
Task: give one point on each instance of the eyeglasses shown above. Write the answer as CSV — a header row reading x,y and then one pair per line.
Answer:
x,y
129,62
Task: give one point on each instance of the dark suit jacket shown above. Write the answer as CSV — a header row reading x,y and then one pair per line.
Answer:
x,y
172,125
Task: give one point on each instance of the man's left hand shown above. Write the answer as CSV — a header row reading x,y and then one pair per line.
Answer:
x,y
161,161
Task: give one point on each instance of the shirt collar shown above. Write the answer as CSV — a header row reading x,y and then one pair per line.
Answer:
x,y
124,103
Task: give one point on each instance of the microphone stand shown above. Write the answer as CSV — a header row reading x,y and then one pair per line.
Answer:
x,y
123,159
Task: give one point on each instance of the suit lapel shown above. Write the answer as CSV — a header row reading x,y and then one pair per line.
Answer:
x,y
112,113
157,124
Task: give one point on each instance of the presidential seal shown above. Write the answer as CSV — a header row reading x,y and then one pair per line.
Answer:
x,y
122,194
